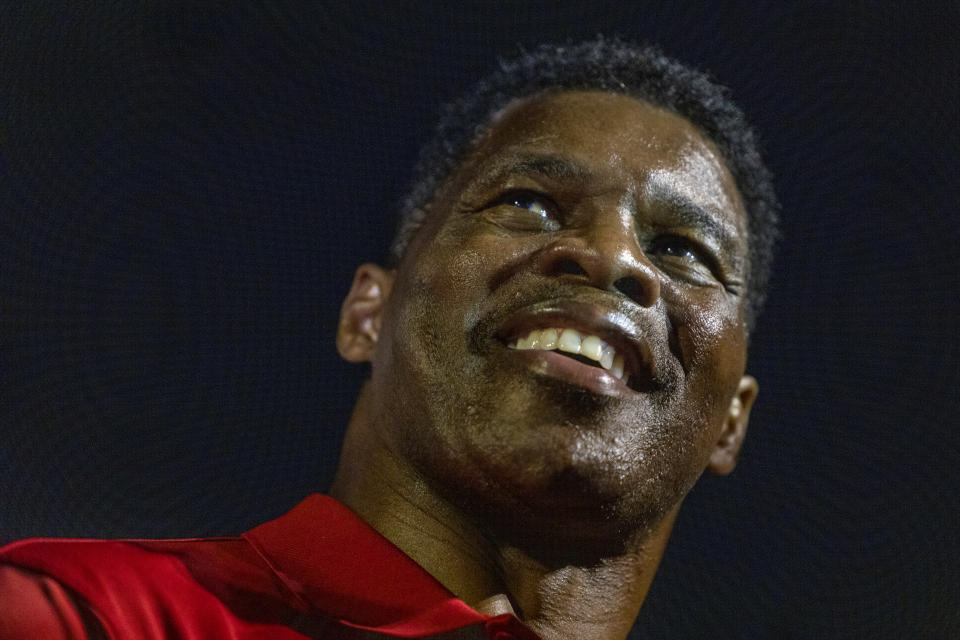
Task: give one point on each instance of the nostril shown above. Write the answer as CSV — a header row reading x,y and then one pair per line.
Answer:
x,y
630,287
568,266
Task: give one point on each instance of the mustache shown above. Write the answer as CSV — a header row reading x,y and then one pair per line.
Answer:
x,y
638,323
643,319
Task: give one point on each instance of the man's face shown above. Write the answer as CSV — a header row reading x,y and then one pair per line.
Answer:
x,y
591,212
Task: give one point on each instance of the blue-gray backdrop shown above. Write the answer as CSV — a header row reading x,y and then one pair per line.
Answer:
x,y
185,189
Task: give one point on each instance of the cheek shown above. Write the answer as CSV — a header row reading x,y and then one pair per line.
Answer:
x,y
479,258
445,297
435,302
711,341
451,266
457,275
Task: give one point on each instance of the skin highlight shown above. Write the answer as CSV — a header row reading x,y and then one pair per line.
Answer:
x,y
525,479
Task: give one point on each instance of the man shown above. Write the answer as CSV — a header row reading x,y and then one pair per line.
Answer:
x,y
557,354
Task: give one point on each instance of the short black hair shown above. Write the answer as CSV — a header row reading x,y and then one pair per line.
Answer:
x,y
615,66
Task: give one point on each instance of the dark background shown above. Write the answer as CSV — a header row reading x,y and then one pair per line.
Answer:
x,y
185,191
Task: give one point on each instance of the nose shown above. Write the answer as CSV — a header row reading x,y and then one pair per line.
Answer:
x,y
607,257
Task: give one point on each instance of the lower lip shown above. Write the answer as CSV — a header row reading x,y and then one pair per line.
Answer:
x,y
554,365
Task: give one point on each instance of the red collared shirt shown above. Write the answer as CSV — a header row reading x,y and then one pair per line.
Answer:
x,y
316,572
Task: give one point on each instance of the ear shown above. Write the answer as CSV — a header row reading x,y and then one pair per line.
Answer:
x,y
362,312
724,456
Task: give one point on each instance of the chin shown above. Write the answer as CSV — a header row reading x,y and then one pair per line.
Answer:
x,y
559,512
557,471
575,535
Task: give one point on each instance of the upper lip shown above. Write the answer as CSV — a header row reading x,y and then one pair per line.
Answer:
x,y
616,327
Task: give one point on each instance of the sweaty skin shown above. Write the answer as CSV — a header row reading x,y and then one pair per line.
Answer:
x,y
523,478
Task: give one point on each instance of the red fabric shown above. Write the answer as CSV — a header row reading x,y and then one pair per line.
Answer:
x,y
37,607
317,572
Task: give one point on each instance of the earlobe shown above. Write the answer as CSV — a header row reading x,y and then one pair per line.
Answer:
x,y
362,313
723,460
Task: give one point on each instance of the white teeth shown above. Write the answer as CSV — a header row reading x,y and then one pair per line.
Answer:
x,y
592,347
606,358
548,339
617,367
569,341
572,341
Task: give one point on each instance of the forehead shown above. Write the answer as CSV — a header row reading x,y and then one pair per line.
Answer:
x,y
650,152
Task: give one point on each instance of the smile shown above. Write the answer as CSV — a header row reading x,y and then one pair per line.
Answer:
x,y
584,339
591,348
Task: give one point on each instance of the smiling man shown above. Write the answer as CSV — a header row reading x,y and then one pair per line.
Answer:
x,y
557,354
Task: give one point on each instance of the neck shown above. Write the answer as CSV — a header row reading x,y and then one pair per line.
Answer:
x,y
599,602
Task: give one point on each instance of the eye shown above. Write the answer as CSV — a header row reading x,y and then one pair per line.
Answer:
x,y
523,210
686,258
532,202
678,248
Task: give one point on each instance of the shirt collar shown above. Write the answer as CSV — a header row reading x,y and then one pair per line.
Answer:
x,y
336,563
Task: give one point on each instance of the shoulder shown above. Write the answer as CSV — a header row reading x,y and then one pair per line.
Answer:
x,y
33,605
89,566
137,588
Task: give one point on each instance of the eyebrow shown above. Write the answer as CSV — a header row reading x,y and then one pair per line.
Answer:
x,y
681,208
554,167
686,212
